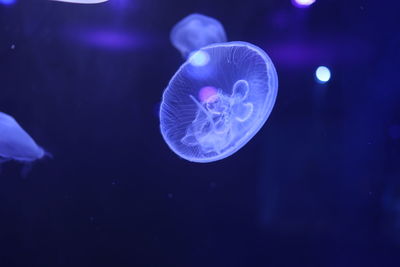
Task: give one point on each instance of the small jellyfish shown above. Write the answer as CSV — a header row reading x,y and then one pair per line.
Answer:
x,y
211,110
15,143
82,1
196,31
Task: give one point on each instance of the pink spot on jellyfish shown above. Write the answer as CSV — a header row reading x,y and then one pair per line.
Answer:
x,y
207,93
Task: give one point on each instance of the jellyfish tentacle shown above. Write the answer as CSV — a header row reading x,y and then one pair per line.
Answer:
x,y
222,124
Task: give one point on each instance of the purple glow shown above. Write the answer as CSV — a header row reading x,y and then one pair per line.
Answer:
x,y
110,39
207,93
303,3
295,54
299,54
106,38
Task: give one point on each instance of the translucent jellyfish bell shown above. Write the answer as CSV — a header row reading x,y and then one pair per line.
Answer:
x,y
209,111
15,143
196,31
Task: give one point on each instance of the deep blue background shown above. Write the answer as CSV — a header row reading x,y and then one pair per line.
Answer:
x,y
319,185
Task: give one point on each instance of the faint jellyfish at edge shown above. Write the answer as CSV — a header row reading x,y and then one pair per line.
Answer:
x,y
196,31
82,1
211,110
15,142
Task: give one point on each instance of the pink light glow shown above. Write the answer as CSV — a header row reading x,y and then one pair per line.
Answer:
x,y
207,93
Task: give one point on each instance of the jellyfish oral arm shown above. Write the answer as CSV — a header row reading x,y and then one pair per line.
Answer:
x,y
241,89
200,106
240,92
220,111
244,112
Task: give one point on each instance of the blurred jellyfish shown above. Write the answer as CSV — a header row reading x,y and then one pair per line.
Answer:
x,y
211,110
196,31
82,1
15,143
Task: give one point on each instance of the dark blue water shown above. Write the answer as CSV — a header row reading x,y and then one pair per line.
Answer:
x,y
319,185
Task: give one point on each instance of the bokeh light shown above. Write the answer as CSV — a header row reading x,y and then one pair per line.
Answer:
x,y
199,58
303,3
323,74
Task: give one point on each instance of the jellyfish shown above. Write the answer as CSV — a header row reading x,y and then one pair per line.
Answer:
x,y
82,1
196,31
15,143
211,110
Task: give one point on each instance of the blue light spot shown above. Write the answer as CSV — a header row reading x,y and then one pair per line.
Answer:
x,y
323,74
199,58
7,2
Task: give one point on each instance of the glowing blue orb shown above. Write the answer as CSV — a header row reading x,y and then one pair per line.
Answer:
x,y
323,74
199,58
209,112
303,3
196,31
